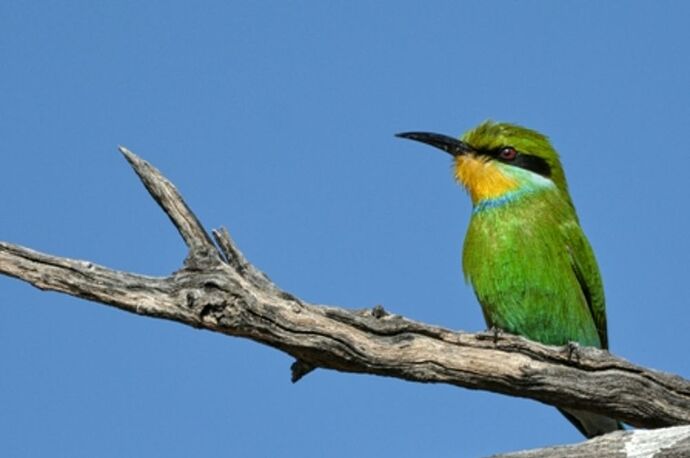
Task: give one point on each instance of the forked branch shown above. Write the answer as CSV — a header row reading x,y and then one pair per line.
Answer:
x,y
219,290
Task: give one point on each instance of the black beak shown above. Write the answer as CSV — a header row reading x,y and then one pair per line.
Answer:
x,y
450,145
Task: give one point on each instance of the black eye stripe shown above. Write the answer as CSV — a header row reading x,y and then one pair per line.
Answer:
x,y
535,164
529,162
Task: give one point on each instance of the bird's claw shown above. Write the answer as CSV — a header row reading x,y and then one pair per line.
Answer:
x,y
496,332
573,349
493,333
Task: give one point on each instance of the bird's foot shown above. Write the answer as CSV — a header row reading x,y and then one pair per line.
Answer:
x,y
573,349
496,332
493,333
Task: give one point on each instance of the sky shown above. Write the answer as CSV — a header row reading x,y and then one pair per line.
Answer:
x,y
276,120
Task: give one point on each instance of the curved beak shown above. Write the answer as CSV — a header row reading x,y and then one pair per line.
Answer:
x,y
450,145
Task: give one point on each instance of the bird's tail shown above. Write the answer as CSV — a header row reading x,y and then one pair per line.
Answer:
x,y
591,424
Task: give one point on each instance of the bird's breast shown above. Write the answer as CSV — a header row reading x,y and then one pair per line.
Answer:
x,y
517,260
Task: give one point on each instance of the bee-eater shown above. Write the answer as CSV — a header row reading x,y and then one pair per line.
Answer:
x,y
531,266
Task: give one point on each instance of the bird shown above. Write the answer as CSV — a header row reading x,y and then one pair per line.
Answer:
x,y
525,255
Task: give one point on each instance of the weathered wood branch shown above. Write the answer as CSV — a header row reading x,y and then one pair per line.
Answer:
x,y
219,290
658,443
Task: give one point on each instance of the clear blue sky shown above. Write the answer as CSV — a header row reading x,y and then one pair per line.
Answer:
x,y
276,119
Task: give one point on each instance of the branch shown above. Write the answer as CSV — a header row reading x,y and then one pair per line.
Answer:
x,y
166,195
666,442
219,290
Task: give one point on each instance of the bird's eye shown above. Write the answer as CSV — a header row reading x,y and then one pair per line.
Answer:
x,y
508,153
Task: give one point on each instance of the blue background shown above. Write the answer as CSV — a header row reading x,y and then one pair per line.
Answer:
x,y
276,119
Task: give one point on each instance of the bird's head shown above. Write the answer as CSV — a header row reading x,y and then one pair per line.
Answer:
x,y
494,159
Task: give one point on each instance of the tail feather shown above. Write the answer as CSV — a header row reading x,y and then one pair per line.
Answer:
x,y
591,424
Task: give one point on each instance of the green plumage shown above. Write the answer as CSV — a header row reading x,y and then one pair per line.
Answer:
x,y
531,266
534,272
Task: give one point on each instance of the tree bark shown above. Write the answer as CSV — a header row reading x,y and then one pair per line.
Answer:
x,y
660,443
219,290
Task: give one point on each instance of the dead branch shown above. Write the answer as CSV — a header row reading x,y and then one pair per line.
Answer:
x,y
655,443
219,290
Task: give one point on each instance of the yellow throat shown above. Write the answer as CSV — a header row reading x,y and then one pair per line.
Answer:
x,y
482,178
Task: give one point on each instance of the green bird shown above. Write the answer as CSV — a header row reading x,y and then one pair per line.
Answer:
x,y
525,254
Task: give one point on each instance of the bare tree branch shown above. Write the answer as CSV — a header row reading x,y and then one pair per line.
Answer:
x,y
186,222
219,290
666,442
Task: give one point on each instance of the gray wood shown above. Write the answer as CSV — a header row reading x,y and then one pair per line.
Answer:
x,y
656,443
219,290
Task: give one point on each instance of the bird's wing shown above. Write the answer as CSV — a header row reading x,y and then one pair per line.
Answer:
x,y
586,270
